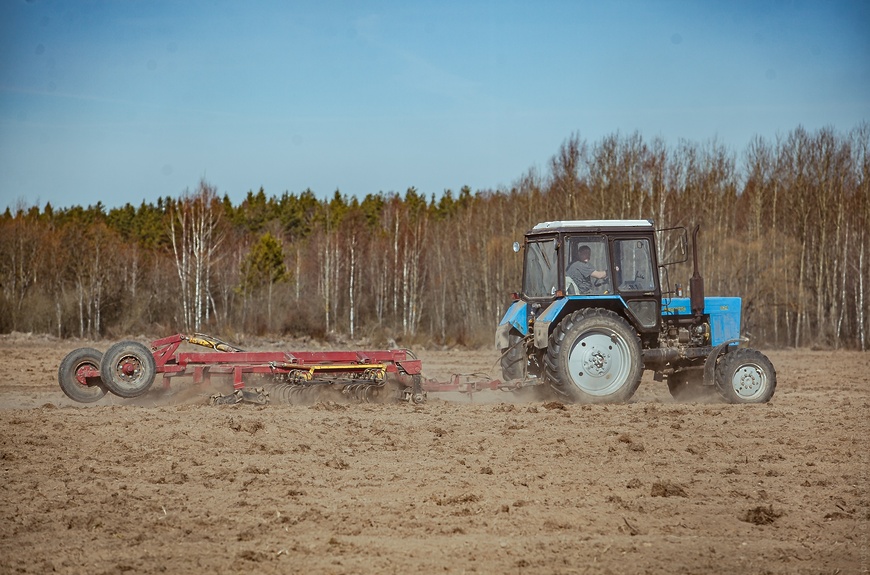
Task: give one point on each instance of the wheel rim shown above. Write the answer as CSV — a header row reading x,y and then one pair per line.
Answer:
x,y
599,362
128,370
748,381
83,371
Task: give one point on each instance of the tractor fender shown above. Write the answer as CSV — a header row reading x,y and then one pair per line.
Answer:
x,y
514,318
710,364
561,307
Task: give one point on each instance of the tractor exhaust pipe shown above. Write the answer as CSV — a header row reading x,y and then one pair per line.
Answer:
x,y
696,283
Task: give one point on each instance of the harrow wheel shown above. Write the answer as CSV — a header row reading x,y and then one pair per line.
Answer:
x,y
128,369
79,375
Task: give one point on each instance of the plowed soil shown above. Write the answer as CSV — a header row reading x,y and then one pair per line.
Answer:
x,y
167,483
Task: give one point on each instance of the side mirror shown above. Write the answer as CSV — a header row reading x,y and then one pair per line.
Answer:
x,y
516,247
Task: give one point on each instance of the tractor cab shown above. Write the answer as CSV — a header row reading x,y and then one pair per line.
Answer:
x,y
581,263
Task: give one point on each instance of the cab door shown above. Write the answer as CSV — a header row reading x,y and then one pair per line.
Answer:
x,y
635,279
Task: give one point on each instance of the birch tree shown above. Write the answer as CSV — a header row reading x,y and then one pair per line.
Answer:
x,y
194,230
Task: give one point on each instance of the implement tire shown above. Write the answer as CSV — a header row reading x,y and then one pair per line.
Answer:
x,y
745,376
128,369
594,356
76,375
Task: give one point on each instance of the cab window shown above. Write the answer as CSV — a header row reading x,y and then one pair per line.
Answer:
x,y
587,267
635,264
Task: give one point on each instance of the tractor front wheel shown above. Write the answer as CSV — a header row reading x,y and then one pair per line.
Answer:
x,y
79,375
128,369
745,376
513,358
594,356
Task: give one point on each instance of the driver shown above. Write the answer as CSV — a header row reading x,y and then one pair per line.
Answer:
x,y
582,272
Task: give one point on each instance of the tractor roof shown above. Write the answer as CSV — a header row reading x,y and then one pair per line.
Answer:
x,y
589,225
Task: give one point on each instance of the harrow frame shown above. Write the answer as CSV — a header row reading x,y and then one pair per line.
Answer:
x,y
300,364
130,369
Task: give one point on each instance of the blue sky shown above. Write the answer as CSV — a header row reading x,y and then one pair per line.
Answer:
x,y
125,101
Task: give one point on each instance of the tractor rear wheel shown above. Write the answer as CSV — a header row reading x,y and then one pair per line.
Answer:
x,y
745,376
513,358
128,369
79,375
594,357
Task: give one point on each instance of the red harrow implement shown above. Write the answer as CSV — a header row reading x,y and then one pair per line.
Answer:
x,y
129,369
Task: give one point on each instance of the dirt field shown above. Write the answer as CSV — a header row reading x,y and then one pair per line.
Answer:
x,y
174,485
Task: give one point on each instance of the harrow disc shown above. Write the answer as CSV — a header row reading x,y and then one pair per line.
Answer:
x,y
362,392
292,393
339,391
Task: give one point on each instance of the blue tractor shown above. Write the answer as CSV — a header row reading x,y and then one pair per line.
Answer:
x,y
593,315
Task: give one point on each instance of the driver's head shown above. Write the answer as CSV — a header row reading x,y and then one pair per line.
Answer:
x,y
583,253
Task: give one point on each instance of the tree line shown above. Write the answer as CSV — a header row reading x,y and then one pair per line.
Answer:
x,y
784,225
